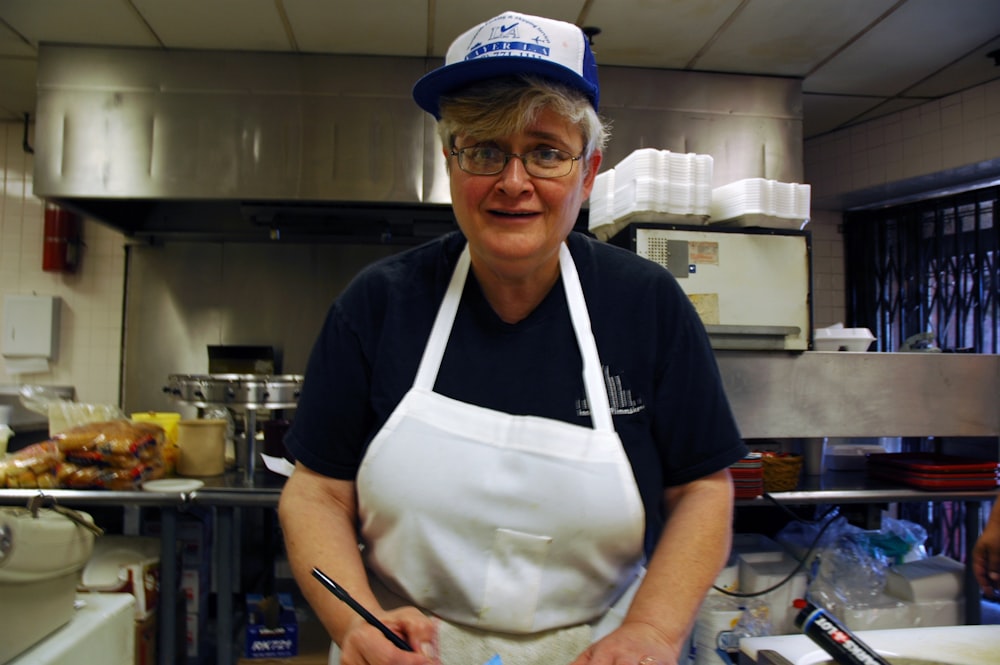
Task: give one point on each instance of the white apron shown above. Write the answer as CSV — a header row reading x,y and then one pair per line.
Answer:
x,y
499,522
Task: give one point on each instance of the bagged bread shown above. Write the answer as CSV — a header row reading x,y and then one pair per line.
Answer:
x,y
112,455
35,466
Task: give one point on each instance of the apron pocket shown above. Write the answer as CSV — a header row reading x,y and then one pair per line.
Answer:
x,y
514,579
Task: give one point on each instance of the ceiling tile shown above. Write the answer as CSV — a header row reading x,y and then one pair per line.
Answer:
x,y
13,45
974,69
824,113
98,22
656,34
788,37
243,25
371,27
909,46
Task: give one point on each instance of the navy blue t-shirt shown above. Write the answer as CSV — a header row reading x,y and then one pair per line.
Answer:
x,y
666,394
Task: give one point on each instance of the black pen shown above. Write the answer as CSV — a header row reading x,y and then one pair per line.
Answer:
x,y
342,594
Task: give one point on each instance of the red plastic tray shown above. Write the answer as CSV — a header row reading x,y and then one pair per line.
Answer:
x,y
935,481
933,463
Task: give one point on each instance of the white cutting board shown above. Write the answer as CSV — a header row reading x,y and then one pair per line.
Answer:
x,y
956,645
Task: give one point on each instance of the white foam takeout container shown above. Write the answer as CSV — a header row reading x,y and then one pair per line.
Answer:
x,y
838,338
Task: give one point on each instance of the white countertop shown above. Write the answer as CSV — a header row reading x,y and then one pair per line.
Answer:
x,y
102,631
956,645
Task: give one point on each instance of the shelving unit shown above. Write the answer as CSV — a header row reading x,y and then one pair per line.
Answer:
x,y
168,505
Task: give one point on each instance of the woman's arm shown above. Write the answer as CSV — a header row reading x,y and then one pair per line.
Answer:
x,y
986,554
318,517
690,553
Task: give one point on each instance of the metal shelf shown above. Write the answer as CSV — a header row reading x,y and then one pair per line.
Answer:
x,y
859,487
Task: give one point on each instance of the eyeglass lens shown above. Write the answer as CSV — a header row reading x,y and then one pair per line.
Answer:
x,y
542,163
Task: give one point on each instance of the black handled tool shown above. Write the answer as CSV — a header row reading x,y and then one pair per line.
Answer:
x,y
342,594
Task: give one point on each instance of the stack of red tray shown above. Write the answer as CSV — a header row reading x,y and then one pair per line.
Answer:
x,y
934,471
748,476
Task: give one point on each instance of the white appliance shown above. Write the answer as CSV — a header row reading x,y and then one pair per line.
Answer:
x,y
751,287
41,556
955,645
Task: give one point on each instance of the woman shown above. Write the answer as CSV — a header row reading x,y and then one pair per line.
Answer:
x,y
523,428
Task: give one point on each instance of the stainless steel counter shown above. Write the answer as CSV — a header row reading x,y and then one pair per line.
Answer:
x,y
818,393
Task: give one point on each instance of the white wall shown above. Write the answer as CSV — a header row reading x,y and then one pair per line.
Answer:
x,y
89,355
937,137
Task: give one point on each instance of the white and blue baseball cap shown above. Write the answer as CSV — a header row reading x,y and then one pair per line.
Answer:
x,y
508,45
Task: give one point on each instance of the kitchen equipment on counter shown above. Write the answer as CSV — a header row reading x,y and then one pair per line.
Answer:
x,y
956,645
201,447
750,287
243,393
247,391
41,556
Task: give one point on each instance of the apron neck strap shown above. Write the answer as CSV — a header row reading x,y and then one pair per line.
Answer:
x,y
593,375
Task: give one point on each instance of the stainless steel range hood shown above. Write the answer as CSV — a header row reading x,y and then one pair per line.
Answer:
x,y
247,146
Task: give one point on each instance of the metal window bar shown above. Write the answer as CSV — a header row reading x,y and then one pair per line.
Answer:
x,y
929,268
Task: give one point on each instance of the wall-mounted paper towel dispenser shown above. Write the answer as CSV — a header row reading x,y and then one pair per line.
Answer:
x,y
30,332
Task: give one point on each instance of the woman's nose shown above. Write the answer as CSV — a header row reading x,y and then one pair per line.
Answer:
x,y
514,179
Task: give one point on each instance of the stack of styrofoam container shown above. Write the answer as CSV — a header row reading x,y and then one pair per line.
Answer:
x,y
651,185
773,568
761,202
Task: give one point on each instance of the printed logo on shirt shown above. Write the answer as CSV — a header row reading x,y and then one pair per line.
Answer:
x,y
620,398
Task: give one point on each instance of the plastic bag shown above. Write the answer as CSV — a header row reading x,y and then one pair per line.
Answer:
x,y
63,413
853,569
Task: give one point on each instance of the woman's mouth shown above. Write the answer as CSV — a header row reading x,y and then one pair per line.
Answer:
x,y
513,214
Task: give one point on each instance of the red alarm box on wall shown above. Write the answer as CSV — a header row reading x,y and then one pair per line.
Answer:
x,y
61,251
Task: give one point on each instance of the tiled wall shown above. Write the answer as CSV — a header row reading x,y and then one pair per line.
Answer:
x,y
956,131
827,268
89,355
939,136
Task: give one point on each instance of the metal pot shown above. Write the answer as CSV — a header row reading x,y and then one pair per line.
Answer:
x,y
252,391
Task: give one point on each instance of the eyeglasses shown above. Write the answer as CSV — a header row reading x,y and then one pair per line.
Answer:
x,y
540,163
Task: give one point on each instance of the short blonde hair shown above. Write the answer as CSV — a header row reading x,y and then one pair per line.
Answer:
x,y
504,106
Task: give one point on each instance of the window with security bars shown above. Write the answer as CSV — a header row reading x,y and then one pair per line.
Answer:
x,y
926,274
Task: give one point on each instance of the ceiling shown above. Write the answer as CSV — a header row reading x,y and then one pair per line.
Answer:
x,y
858,59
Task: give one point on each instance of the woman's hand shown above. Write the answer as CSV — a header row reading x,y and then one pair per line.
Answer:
x,y
632,643
363,644
986,556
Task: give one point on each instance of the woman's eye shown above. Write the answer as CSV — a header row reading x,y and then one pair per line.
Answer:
x,y
548,156
483,154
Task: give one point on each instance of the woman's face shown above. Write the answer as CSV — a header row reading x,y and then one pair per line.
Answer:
x,y
515,222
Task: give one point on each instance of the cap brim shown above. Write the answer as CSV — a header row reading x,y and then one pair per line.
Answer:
x,y
429,88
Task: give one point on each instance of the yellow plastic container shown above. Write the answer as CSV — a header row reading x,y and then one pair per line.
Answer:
x,y
170,423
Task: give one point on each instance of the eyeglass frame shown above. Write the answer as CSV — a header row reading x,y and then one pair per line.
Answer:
x,y
457,153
